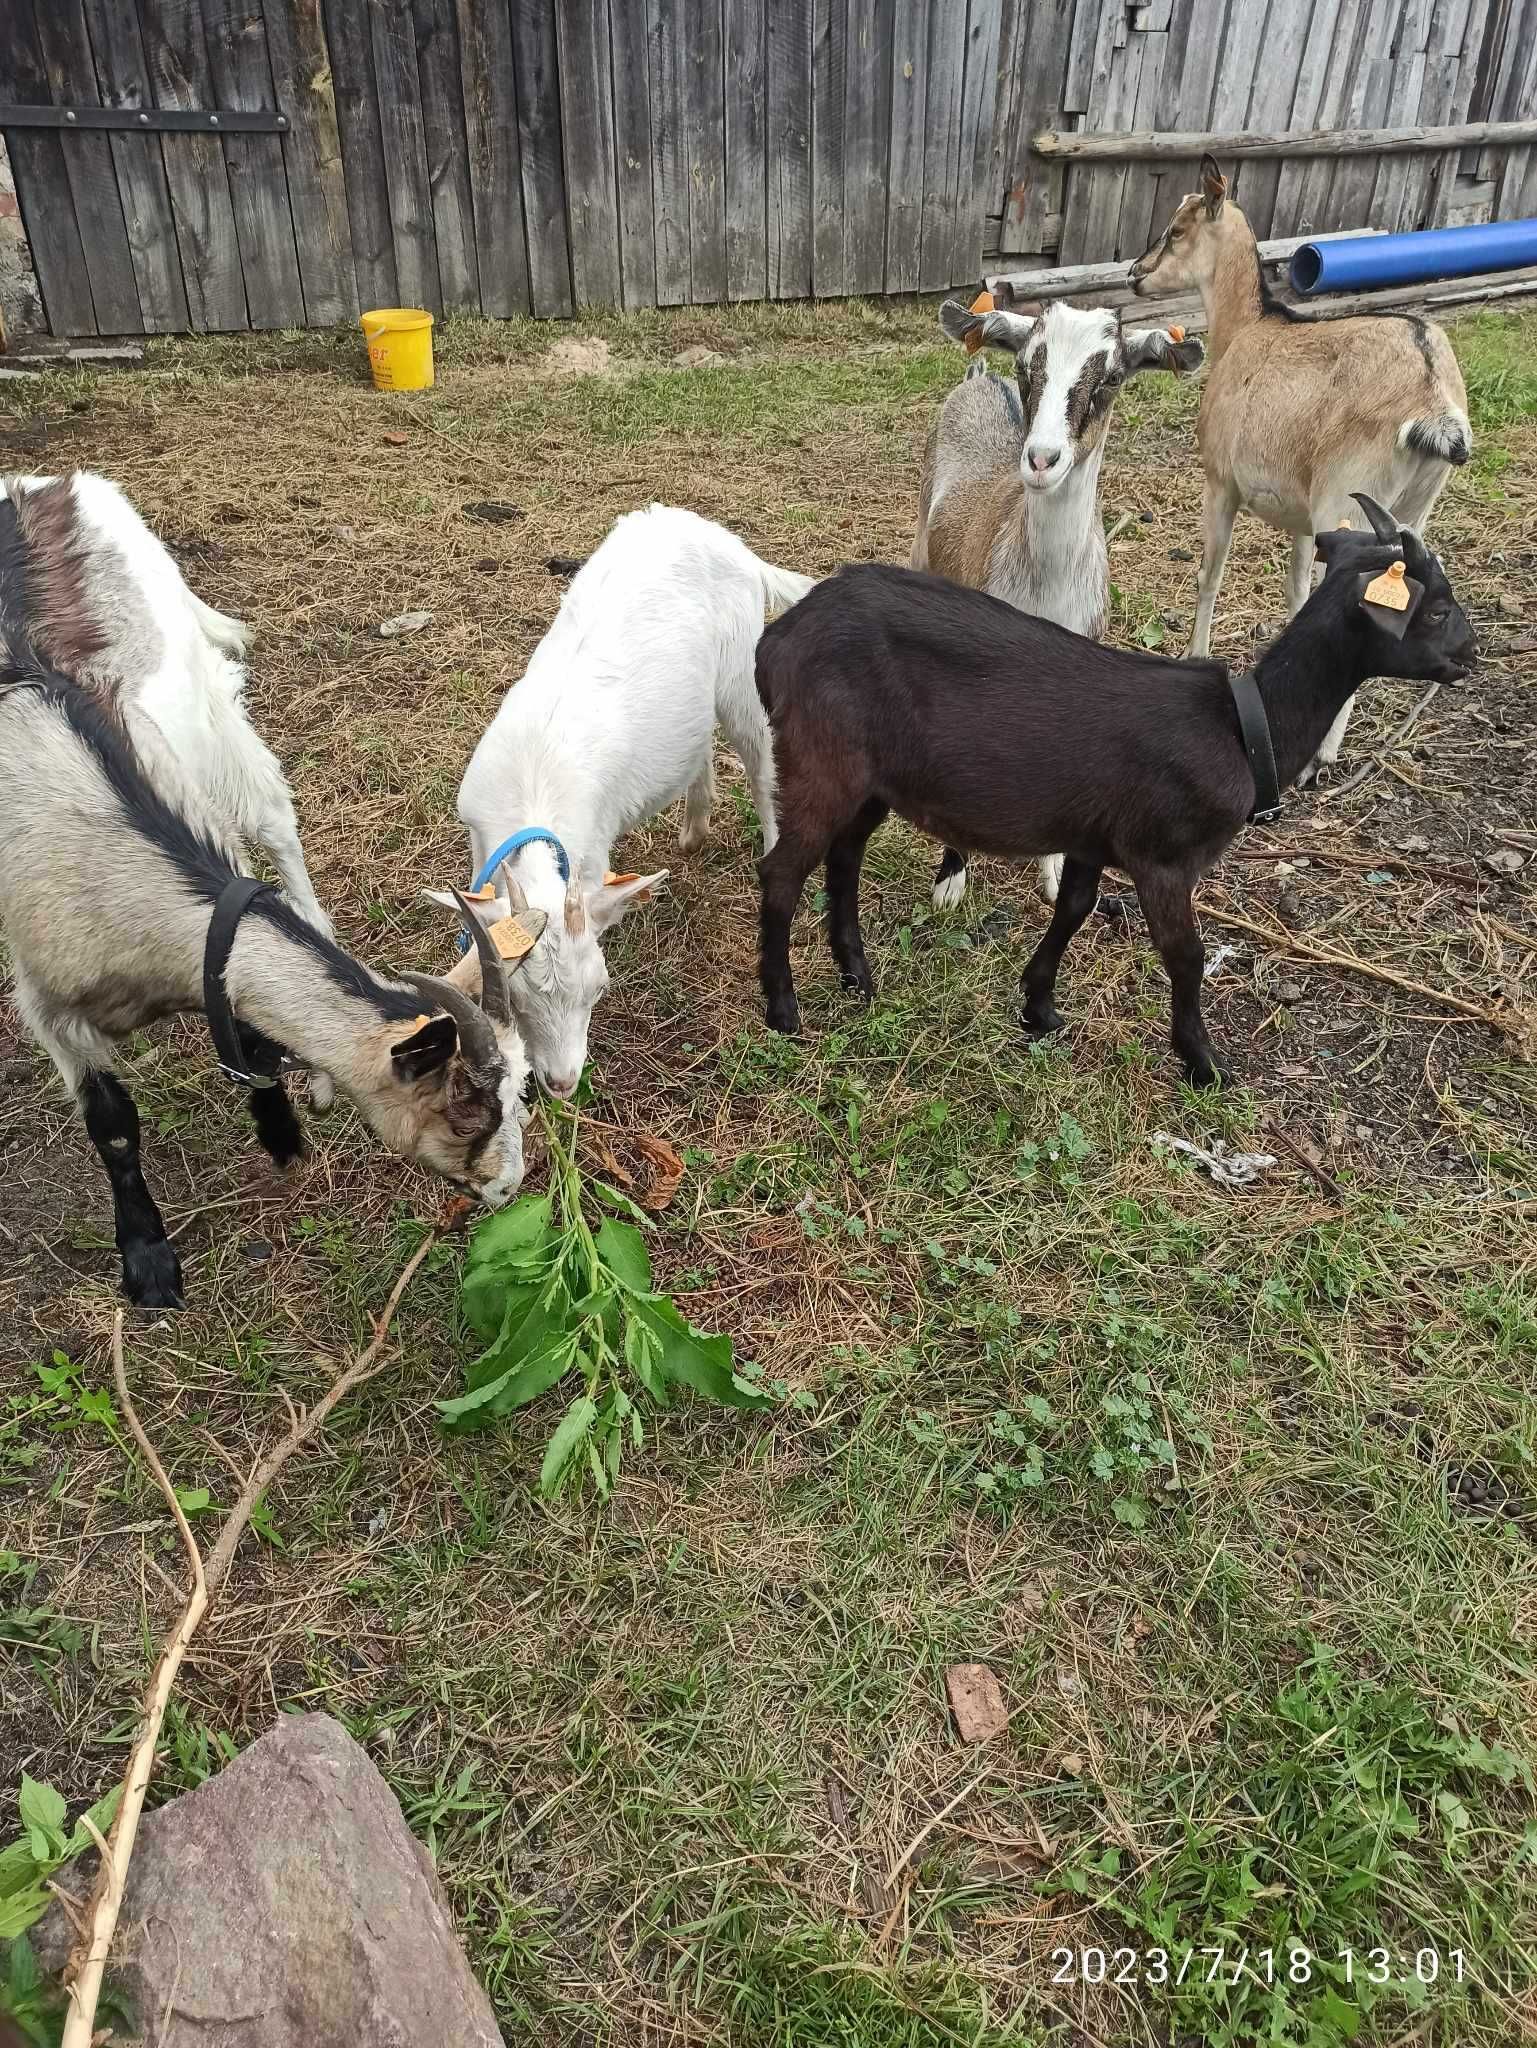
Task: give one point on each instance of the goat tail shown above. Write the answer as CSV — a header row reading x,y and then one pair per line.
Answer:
x,y
781,588
1445,435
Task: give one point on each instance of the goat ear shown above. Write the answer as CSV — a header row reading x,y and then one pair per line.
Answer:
x,y
999,330
426,1051
1213,186
1161,348
616,894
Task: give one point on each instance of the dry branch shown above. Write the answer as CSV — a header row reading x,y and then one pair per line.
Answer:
x,y
1517,1024
87,1962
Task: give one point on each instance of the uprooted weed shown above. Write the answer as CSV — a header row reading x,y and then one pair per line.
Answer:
x,y
1235,1492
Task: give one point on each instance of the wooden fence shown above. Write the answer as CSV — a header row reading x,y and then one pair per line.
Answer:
x,y
215,164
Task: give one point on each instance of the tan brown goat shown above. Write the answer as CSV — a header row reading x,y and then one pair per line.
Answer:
x,y
1300,411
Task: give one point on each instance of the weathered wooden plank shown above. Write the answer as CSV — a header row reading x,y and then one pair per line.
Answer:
x,y
405,153
1350,201
789,149
177,55
1090,226
312,157
941,144
1075,279
587,124
1323,142
1307,98
1083,240
866,143
669,171
1093,36
1272,98
829,95
123,79
1037,57
1461,38
258,181
66,49
976,188
1436,90
42,184
447,153
537,62
1310,197
1406,87
1135,228
349,40
495,159
1183,98
1517,192
909,89
746,95
633,153
704,150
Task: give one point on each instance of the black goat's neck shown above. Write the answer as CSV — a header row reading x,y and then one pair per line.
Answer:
x,y
1305,678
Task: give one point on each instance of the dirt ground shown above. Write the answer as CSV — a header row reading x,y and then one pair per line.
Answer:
x,y
296,497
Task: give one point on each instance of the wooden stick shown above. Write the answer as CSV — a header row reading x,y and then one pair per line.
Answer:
x,y
1517,1024
1146,147
1100,277
1370,767
84,1971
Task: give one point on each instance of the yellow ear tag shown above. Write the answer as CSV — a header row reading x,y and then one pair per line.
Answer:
x,y
1176,333
421,1022
486,893
1389,589
613,881
982,303
512,938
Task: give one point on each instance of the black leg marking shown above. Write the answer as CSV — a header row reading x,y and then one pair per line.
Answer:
x,y
151,1269
782,875
277,1126
844,858
1164,894
1077,894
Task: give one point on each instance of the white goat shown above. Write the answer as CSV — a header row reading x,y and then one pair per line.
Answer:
x,y
111,865
1010,495
614,718
1302,412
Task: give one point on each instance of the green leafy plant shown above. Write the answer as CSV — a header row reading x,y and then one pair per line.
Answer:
x,y
552,1299
44,1847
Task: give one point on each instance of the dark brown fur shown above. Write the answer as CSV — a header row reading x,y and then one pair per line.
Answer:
x,y
59,619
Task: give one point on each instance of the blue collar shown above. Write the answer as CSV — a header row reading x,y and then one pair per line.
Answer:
x,y
531,835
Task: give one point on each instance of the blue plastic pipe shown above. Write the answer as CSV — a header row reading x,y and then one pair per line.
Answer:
x,y
1364,263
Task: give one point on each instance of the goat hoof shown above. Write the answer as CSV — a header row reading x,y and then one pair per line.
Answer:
x,y
152,1276
856,984
1041,1021
1208,1073
1114,909
784,1017
693,841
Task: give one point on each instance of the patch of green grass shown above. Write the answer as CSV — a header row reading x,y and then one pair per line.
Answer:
x,y
1498,367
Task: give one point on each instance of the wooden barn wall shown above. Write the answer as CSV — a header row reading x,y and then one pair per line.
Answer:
x,y
1272,66
534,156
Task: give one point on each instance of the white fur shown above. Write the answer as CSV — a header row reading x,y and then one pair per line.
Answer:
x,y
175,664
614,719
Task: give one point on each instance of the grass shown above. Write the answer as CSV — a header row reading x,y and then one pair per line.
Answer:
x,y
1233,1492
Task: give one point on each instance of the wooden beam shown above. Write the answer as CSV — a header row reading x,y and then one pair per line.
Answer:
x,y
1305,142
1107,277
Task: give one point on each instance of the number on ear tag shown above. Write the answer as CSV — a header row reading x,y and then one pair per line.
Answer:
x,y
1390,588
512,937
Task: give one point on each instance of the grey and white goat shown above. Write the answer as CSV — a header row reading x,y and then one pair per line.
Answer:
x,y
1010,496
110,868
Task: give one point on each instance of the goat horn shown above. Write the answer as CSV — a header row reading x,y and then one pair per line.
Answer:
x,y
494,998
576,909
516,900
477,1041
1382,523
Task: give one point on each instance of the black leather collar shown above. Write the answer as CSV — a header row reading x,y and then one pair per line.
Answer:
x,y
1255,727
251,1060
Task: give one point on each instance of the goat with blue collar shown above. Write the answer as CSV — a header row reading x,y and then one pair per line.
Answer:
x,y
614,719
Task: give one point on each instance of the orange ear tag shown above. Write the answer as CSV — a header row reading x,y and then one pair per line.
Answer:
x,y
1176,333
613,881
1389,589
982,303
512,939
486,893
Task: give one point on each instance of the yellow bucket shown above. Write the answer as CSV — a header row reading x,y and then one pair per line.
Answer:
x,y
399,347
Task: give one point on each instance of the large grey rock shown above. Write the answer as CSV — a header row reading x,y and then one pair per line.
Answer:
x,y
286,1904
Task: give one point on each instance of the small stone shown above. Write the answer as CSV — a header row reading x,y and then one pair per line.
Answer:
x,y
257,1250
492,512
1146,518
1072,1765
1505,861
1509,607
976,1700
1289,991
697,358
1415,843
564,565
396,440
488,565
1181,555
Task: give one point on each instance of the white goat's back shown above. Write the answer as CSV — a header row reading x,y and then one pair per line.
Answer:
x,y
654,643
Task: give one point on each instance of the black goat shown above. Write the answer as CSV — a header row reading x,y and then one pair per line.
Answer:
x,y
892,691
